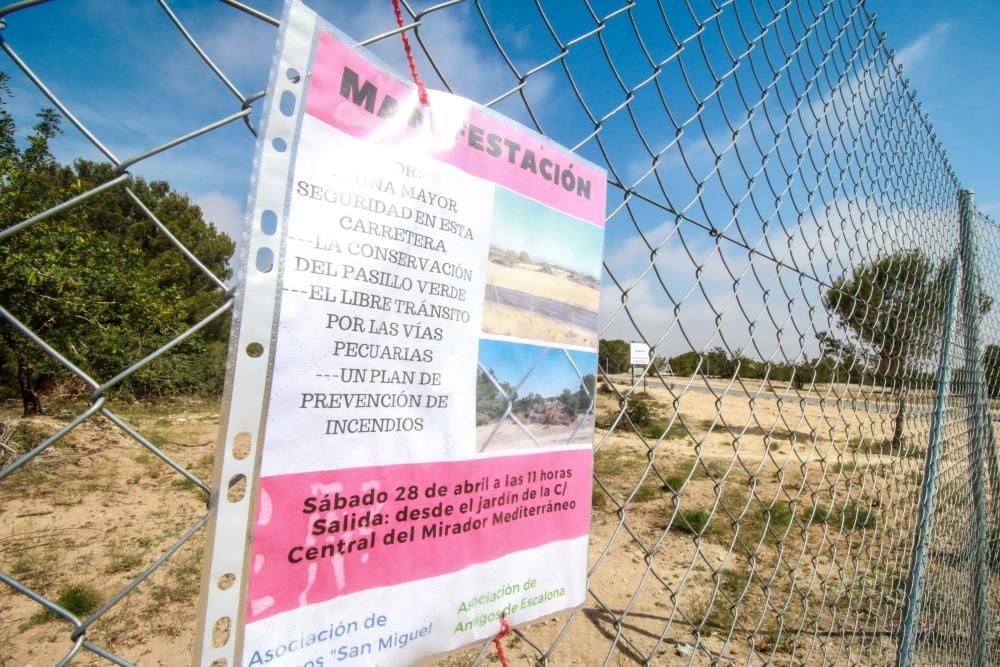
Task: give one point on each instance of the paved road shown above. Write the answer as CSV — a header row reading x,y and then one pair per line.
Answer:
x,y
557,310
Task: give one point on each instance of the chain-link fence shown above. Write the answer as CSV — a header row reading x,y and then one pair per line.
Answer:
x,y
817,422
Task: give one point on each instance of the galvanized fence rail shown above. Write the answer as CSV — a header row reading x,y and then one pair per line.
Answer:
x,y
813,477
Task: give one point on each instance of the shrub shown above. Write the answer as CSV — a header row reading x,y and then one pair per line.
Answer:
x,y
78,599
653,431
638,410
645,493
818,514
856,517
780,515
694,522
674,482
549,412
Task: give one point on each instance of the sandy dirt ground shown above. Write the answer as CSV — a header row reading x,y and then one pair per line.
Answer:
x,y
91,514
506,321
531,278
511,436
724,531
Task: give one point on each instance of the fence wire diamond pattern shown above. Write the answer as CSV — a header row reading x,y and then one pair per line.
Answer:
x,y
785,228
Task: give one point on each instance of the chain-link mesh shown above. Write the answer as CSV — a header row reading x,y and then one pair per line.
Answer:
x,y
781,228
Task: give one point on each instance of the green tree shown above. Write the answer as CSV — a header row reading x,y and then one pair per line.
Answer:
x,y
843,361
490,403
585,393
98,281
717,363
115,214
26,184
570,401
892,309
685,364
613,355
660,363
528,403
751,369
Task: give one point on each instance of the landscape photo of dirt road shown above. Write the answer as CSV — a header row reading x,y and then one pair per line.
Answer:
x,y
540,281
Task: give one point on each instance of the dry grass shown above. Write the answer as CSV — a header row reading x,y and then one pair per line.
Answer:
x,y
506,321
88,516
552,283
749,525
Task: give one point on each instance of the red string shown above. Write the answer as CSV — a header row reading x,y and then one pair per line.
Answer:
x,y
504,631
421,90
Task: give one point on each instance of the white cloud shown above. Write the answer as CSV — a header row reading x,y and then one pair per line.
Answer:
x,y
911,55
242,47
516,37
474,70
775,313
748,304
696,151
223,211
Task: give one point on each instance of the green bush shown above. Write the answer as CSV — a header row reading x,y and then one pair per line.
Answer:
x,y
856,517
653,432
693,522
674,483
78,599
818,514
780,515
639,411
645,493
198,369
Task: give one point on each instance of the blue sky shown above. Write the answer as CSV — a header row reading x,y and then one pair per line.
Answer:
x,y
126,71
951,53
511,361
523,225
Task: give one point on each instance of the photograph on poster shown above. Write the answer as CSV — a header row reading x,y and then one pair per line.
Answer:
x,y
549,391
543,280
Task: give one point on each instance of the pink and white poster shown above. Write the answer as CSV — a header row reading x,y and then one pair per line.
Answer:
x,y
411,389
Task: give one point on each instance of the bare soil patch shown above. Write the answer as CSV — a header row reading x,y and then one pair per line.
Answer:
x,y
506,321
511,436
544,280
91,514
737,531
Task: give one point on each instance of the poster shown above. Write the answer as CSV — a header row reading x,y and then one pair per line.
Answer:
x,y
410,401
638,354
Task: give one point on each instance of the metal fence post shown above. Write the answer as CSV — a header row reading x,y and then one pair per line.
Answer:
x,y
928,490
977,446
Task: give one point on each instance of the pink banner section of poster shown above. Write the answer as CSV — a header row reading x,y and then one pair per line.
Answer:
x,y
350,92
424,283
322,535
